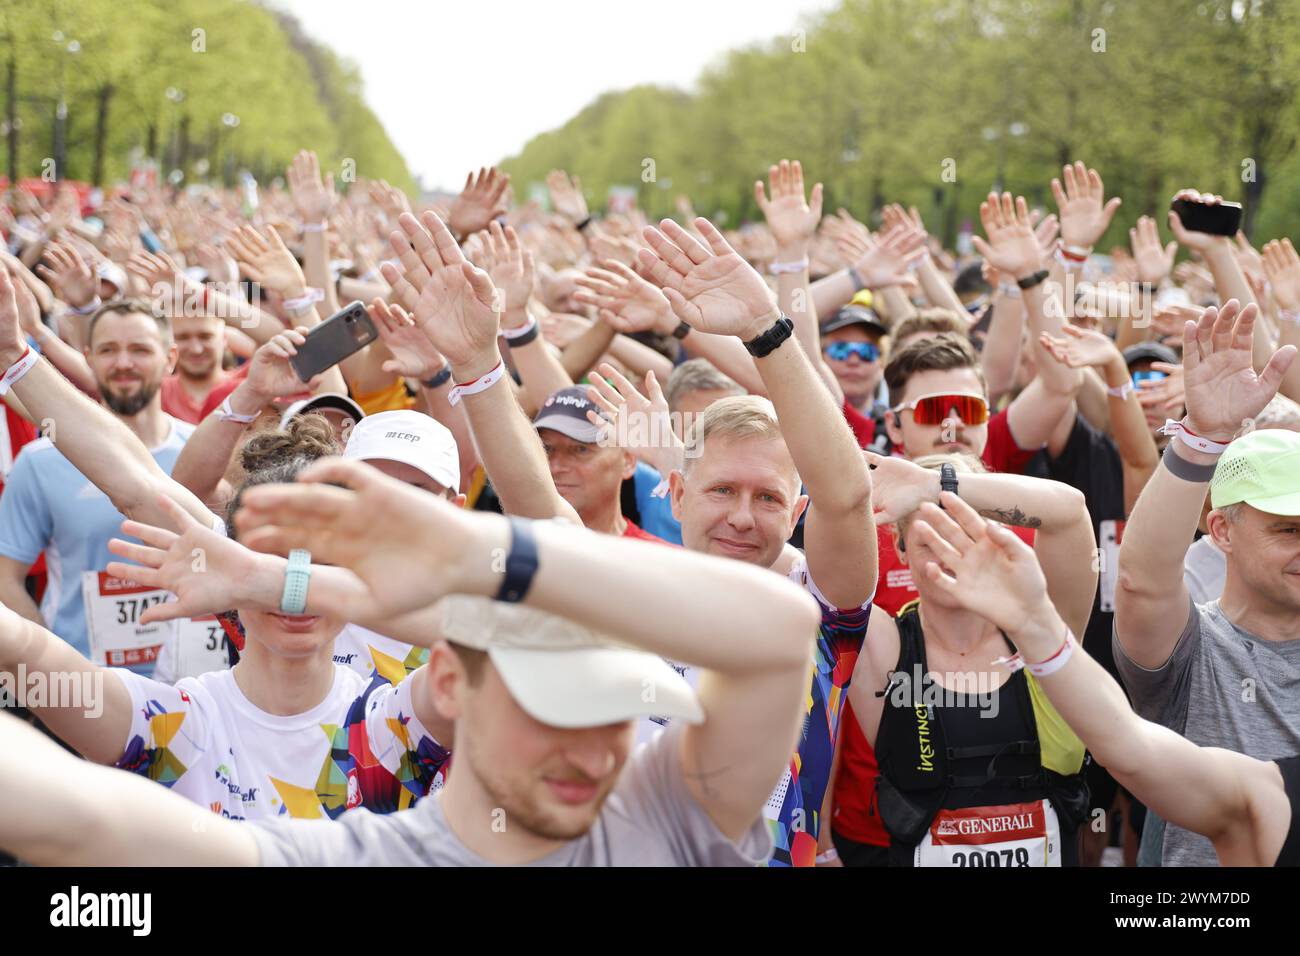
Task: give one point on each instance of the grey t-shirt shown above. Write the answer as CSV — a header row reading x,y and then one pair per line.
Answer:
x,y
649,819
1221,687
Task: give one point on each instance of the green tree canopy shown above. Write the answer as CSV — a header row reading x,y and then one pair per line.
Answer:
x,y
881,98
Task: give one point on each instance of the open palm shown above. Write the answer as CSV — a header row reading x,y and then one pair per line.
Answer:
x,y
712,288
1219,380
989,570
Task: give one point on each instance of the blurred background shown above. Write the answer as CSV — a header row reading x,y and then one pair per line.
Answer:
x,y
926,102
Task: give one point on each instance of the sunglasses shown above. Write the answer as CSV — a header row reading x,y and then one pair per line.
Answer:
x,y
1150,375
840,351
936,409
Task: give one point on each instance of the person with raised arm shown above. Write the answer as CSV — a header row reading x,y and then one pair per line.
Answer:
x,y
1247,808
1221,674
739,495
544,706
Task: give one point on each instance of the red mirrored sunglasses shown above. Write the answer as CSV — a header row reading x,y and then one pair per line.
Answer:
x,y
936,409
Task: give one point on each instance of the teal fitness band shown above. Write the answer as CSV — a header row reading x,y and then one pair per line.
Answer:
x,y
296,575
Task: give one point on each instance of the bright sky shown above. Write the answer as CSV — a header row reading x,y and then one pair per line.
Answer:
x,y
466,83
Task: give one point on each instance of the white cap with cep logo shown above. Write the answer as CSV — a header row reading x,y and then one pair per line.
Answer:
x,y
411,438
563,674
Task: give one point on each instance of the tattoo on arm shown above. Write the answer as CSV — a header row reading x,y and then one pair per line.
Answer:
x,y
1013,516
702,776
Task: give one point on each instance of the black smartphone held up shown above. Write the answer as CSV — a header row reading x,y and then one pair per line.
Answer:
x,y
1216,218
344,333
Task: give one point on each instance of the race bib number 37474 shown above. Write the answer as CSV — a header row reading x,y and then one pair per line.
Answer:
x,y
113,611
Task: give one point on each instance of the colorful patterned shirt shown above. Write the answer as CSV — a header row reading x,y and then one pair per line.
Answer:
x,y
360,746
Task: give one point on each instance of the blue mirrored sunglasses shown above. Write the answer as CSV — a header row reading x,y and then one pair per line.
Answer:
x,y
840,351
1148,375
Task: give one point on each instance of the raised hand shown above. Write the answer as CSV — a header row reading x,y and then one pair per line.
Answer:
x,y
313,197
219,266
885,261
454,303
899,487
1200,241
710,287
481,201
983,566
391,200
605,245
219,582
29,310
413,354
72,278
12,342
1165,394
512,270
1046,232
156,270
266,261
1083,217
792,219
1221,387
1081,348
895,215
1282,267
1012,247
1169,319
270,376
117,246
1251,262
624,300
631,415
1153,262
566,196
409,547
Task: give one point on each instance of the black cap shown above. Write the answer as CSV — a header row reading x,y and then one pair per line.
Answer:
x,y
1149,352
565,411
854,315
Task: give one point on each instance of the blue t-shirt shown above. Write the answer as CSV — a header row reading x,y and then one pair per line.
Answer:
x,y
656,513
48,505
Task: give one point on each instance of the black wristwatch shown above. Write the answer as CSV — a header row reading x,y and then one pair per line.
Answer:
x,y
947,479
769,341
683,329
440,377
1037,278
521,563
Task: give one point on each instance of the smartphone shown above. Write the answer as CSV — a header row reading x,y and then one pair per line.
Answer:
x,y
1218,219
344,333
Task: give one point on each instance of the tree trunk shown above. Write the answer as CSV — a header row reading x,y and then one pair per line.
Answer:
x,y
101,132
12,93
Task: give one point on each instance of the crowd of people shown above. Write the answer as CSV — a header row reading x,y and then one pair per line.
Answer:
x,y
621,543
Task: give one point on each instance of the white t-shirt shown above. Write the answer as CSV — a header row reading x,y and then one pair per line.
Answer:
x,y
366,652
360,746
1205,568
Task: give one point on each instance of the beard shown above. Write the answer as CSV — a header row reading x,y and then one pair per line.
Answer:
x,y
129,405
522,809
198,370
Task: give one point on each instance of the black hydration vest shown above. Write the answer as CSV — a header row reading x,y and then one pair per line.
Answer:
x,y
1290,852
934,757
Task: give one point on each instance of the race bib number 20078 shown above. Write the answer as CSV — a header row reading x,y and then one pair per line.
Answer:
x,y
1011,835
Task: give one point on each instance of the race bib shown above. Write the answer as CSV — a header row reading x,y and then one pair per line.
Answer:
x,y
1016,834
200,646
1112,533
113,611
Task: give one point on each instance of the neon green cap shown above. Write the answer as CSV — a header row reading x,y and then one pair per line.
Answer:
x,y
1261,468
